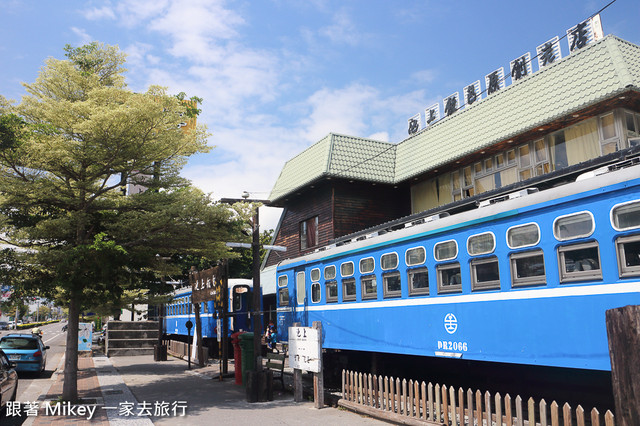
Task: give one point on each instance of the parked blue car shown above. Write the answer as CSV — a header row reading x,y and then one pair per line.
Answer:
x,y
26,350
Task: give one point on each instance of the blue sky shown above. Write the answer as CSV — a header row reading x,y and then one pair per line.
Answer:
x,y
278,75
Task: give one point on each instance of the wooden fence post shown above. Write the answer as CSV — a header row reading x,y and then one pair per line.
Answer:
x,y
623,331
297,379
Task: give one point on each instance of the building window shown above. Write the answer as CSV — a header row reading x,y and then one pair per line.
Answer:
x,y
445,250
523,235
315,292
309,233
301,287
367,265
415,256
449,280
389,261
609,134
575,144
392,284
527,268
418,281
282,280
283,297
349,289
485,274
579,262
628,250
346,269
481,244
330,272
369,287
332,291
572,226
626,216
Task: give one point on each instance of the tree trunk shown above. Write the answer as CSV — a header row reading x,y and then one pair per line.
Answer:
x,y
70,385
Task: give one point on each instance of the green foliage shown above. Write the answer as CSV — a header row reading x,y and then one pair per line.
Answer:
x,y
192,107
66,152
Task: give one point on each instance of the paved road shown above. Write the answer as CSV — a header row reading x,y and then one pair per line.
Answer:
x,y
31,385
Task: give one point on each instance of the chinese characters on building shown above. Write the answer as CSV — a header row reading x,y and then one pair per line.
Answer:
x,y
547,53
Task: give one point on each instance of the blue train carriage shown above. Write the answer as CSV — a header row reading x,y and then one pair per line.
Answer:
x,y
525,279
180,310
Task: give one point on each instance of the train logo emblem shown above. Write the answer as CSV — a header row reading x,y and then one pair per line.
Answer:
x,y
450,323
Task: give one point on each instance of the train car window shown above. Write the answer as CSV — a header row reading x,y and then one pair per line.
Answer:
x,y
576,225
445,250
579,262
485,274
301,288
389,261
315,291
418,281
369,287
481,243
332,291
282,280
330,272
449,280
367,265
349,289
415,256
392,284
523,235
315,274
283,296
628,249
346,269
527,268
626,216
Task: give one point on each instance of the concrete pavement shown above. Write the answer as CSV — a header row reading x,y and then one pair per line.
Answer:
x,y
136,390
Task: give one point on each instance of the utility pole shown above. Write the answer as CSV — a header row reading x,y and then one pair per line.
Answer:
x,y
255,250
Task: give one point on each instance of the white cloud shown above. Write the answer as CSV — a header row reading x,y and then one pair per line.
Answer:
x,y
84,37
104,12
340,111
342,30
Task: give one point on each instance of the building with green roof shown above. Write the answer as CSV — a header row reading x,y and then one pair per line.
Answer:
x,y
573,115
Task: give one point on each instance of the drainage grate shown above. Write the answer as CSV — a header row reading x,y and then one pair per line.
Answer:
x,y
113,392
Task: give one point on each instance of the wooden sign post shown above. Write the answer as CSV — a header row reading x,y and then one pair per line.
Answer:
x,y
204,288
623,332
305,353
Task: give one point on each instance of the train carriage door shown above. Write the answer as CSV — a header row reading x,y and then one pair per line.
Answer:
x,y
301,298
286,302
241,306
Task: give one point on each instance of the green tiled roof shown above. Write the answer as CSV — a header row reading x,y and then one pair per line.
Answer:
x,y
595,73
337,156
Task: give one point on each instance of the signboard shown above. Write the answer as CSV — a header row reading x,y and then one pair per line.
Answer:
x,y
85,335
205,285
305,349
547,53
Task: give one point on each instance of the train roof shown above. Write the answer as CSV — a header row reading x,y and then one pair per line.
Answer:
x,y
232,283
504,206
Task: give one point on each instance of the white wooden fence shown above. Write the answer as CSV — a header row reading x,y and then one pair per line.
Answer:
x,y
413,402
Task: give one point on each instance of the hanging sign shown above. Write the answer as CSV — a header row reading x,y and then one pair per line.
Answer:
x,y
547,53
205,285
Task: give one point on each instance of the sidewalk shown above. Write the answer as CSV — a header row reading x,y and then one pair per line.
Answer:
x,y
136,390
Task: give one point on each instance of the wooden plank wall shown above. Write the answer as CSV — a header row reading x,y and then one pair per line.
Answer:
x,y
421,402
